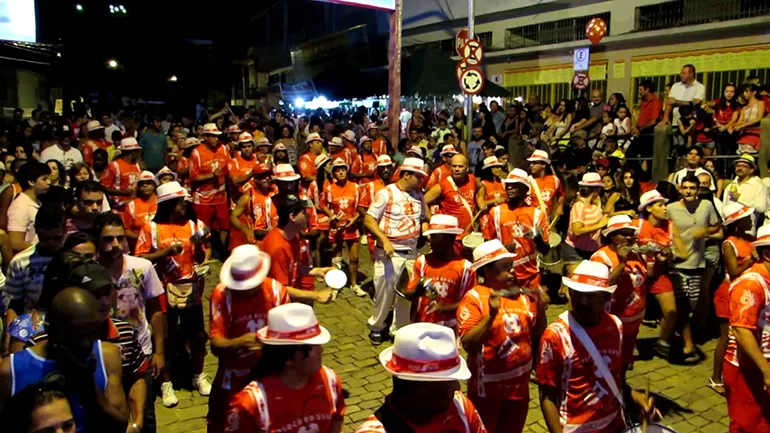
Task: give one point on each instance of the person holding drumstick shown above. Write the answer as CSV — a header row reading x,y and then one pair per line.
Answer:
x,y
551,189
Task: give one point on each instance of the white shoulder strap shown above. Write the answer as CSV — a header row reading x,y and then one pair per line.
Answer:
x,y
457,190
331,385
154,235
459,401
257,392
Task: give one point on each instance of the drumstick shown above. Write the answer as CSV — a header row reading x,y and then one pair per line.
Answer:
x,y
539,194
646,399
475,217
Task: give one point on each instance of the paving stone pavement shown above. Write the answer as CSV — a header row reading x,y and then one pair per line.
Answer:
x,y
688,405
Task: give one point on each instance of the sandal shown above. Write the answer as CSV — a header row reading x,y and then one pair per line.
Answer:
x,y
718,387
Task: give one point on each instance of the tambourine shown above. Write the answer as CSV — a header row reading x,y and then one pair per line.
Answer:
x,y
336,279
651,428
554,239
473,240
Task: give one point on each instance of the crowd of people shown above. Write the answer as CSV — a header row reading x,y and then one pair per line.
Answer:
x,y
110,225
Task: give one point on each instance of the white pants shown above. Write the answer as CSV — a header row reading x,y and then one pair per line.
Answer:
x,y
387,273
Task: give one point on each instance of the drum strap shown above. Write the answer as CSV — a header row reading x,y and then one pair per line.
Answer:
x,y
457,190
601,366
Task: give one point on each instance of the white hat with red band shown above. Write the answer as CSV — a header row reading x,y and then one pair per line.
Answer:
x,y
279,146
540,156
245,137
233,129
245,269
364,139
349,135
734,211
384,161
170,191
488,252
336,141
591,180
416,150
147,176
649,198
166,171
320,160
292,324
448,150
263,141
313,136
93,125
763,237
339,162
590,277
415,165
425,352
129,144
285,172
443,225
619,222
517,175
492,161
211,128
190,142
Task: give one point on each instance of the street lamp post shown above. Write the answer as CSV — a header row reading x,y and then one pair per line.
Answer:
x,y
469,98
394,75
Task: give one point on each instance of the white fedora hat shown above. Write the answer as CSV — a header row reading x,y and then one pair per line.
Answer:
x,y
279,146
190,142
763,237
384,161
129,144
339,162
336,141
590,277
619,222
649,198
488,252
245,269
170,191
320,160
285,172
263,141
232,129
292,324
164,171
492,161
443,224
147,176
540,156
245,137
415,150
448,150
415,165
349,135
734,211
211,129
93,125
591,180
518,175
313,136
425,352
363,140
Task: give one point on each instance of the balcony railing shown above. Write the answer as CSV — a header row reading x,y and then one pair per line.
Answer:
x,y
690,12
552,32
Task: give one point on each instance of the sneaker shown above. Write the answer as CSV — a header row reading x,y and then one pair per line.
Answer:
x,y
358,291
662,349
168,396
202,384
377,338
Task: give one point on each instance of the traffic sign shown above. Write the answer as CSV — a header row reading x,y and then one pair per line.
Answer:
x,y
580,59
461,66
460,40
580,81
472,81
473,52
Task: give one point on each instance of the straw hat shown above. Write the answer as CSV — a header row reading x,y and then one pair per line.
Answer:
x,y
93,125
190,142
129,144
245,137
320,160
425,352
147,176
313,136
448,150
263,141
349,136
492,161
164,171
339,162
336,141
763,237
384,161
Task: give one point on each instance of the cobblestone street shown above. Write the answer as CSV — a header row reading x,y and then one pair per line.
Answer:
x,y
680,391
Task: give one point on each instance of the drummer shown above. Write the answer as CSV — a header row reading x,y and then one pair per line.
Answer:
x,y
440,278
521,228
551,188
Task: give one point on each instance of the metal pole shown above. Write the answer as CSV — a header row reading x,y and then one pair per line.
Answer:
x,y
469,98
394,75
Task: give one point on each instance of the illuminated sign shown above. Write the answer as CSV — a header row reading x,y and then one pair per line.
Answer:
x,y
17,20
388,5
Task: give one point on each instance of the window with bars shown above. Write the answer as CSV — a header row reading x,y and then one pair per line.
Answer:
x,y
552,32
447,46
691,12
553,93
713,81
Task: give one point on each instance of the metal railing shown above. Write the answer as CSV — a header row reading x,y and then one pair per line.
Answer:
x,y
553,93
552,32
690,12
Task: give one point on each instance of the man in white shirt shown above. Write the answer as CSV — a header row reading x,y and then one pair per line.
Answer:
x,y
109,127
692,166
687,92
747,188
35,180
63,151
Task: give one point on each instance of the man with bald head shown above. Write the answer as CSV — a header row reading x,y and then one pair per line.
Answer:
x,y
89,367
456,196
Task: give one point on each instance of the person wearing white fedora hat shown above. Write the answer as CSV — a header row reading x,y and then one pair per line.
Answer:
x,y
337,149
440,278
589,334
166,175
208,183
264,151
141,209
339,201
367,191
183,161
280,154
292,390
522,229
499,326
746,367
444,170
97,140
456,196
364,163
349,138
239,308
551,189
306,162
379,145
119,180
395,218
586,221
253,214
426,397
738,256
492,173
630,272
242,164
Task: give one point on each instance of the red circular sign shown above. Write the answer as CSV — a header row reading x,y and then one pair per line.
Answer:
x,y
581,81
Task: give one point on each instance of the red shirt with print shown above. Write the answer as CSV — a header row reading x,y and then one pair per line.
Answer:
x,y
284,254
343,202
204,161
629,299
551,189
240,167
451,202
450,281
365,163
750,309
460,416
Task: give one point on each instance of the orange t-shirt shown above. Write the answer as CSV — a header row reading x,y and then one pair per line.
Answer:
x,y
257,216
450,281
460,416
659,237
306,164
551,190
270,406
492,190
343,202
154,237
365,163
379,147
501,370
438,174
629,299
345,154
285,255
183,163
120,175
244,316
367,191
750,309
564,364
205,161
239,167
450,201
92,145
138,212
519,227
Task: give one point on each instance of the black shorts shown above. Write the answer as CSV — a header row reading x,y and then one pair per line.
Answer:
x,y
186,324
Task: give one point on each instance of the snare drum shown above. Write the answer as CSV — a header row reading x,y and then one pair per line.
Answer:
x,y
470,243
651,428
